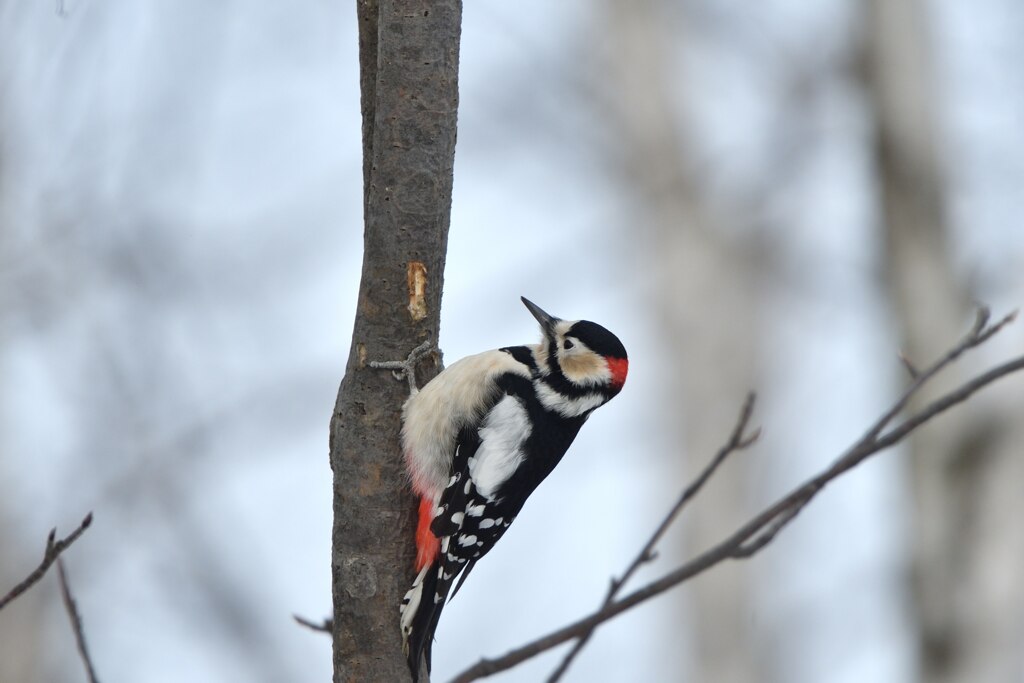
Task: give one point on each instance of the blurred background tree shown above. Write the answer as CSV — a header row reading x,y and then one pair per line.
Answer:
x,y
776,196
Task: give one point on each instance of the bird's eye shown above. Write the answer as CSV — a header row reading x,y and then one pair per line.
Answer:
x,y
567,344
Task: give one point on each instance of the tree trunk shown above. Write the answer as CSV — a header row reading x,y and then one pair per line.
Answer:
x,y
408,54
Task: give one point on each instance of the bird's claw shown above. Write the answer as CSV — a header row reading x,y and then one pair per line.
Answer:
x,y
405,369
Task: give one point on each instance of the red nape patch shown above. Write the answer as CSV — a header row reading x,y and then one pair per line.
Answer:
x,y
428,546
619,368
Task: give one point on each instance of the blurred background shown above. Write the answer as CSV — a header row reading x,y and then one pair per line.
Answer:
x,y
777,196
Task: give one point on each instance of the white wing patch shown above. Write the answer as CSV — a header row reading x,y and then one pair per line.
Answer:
x,y
502,434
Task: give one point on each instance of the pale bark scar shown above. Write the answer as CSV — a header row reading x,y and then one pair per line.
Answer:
x,y
417,279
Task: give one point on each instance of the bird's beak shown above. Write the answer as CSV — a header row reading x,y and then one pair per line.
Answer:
x,y
547,322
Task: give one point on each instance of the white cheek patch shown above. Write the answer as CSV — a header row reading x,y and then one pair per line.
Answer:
x,y
584,367
502,434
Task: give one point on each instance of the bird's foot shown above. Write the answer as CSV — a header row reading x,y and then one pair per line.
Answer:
x,y
406,369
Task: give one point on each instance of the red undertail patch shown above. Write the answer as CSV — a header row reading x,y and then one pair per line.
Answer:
x,y
427,544
619,367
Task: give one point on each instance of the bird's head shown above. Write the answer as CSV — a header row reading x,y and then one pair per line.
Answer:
x,y
587,355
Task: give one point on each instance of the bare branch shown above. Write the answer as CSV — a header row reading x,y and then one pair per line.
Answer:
x,y
737,441
755,544
53,551
979,334
326,626
76,622
760,531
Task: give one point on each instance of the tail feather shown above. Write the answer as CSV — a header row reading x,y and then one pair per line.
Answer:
x,y
462,578
420,614
428,646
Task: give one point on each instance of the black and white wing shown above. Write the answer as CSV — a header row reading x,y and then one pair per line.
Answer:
x,y
473,514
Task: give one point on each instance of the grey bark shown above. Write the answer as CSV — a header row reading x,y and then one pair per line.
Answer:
x,y
965,470
409,54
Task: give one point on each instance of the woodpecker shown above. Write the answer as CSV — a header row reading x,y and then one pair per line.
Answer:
x,y
480,437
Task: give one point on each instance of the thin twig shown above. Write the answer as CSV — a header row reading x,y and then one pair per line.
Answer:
x,y
737,441
754,545
326,626
53,551
979,334
76,622
909,365
758,533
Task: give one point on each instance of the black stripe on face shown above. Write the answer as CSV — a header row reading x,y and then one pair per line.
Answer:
x,y
572,392
561,384
555,377
553,365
